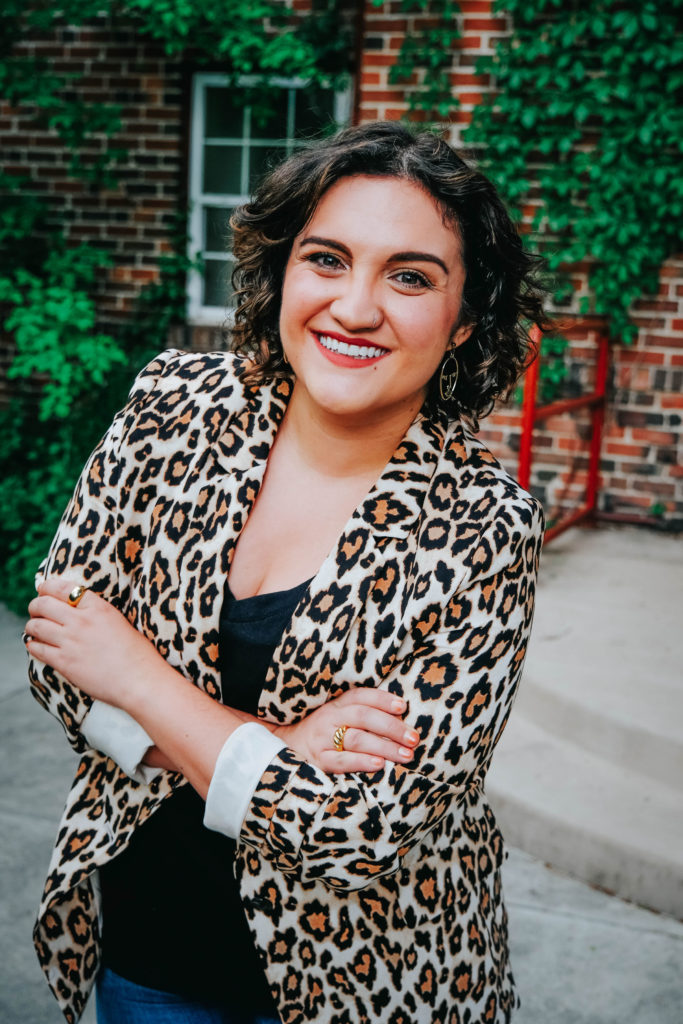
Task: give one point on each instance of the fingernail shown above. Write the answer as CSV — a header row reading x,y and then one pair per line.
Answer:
x,y
377,762
410,736
398,704
404,753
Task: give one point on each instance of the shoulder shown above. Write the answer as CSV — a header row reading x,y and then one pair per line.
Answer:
x,y
190,372
180,393
490,520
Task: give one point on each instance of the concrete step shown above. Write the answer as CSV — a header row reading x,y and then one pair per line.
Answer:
x,y
605,665
632,723
597,820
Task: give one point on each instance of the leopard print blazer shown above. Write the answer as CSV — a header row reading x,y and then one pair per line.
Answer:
x,y
372,898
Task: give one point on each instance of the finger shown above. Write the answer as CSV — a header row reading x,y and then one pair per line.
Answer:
x,y
45,631
60,587
357,741
45,607
372,697
42,652
341,763
380,723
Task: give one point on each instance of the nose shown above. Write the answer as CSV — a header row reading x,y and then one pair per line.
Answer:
x,y
357,307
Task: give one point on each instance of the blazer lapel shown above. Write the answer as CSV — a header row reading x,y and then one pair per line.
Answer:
x,y
344,630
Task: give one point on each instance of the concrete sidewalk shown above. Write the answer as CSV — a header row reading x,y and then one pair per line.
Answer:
x,y
580,956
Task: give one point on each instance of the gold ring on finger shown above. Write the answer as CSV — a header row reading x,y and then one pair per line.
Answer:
x,y
338,737
76,595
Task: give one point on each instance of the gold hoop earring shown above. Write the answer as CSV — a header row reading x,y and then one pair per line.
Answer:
x,y
285,360
448,377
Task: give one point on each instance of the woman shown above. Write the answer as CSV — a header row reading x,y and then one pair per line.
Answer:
x,y
324,472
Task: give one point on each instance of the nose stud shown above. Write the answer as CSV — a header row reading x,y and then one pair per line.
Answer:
x,y
374,319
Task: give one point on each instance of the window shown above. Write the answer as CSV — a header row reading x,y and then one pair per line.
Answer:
x,y
230,150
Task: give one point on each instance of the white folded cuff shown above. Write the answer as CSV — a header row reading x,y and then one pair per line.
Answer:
x,y
242,761
119,736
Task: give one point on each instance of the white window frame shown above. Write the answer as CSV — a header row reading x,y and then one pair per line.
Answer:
x,y
197,313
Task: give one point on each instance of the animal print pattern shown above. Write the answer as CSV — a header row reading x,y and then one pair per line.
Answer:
x,y
371,897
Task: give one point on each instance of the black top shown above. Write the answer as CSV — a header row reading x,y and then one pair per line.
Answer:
x,y
172,915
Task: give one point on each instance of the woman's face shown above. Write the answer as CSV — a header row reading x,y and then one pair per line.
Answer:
x,y
370,300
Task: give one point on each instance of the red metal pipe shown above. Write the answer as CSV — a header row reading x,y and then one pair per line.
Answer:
x,y
585,512
531,415
542,412
598,422
528,412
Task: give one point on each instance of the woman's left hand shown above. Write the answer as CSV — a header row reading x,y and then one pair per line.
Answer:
x,y
92,644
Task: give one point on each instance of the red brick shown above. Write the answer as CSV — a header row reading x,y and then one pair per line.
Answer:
x,y
672,401
653,436
460,78
376,23
655,487
386,96
372,59
470,98
621,354
664,341
630,450
485,25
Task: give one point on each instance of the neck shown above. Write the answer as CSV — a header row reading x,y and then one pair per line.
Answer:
x,y
339,447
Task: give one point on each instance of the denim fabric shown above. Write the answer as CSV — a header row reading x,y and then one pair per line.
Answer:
x,y
123,1002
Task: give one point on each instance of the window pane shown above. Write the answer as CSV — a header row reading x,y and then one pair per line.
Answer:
x,y
217,234
262,159
269,120
222,169
314,110
224,113
217,287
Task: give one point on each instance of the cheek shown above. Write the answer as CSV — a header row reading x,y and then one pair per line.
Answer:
x,y
302,295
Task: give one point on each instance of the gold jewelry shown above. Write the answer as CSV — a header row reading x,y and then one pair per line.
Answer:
x,y
76,595
338,738
374,319
448,377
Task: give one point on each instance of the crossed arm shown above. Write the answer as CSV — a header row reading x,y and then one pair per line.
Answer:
x,y
95,647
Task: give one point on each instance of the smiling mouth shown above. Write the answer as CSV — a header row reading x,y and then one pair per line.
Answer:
x,y
359,350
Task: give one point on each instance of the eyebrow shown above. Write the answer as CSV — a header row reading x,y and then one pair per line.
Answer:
x,y
398,257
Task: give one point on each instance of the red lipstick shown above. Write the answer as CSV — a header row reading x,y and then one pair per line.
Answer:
x,y
335,347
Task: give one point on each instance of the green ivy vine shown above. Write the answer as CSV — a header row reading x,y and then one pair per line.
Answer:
x,y
585,124
427,50
67,374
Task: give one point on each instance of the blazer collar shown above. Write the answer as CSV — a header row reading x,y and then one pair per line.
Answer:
x,y
394,503
248,433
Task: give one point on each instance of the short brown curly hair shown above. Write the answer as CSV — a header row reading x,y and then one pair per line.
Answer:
x,y
502,297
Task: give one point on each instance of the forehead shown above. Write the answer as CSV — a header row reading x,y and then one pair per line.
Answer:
x,y
393,213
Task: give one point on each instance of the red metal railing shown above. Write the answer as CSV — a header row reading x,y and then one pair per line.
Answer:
x,y
533,414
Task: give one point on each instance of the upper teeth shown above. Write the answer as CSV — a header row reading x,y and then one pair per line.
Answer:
x,y
355,351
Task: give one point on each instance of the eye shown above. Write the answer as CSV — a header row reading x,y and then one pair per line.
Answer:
x,y
324,260
412,280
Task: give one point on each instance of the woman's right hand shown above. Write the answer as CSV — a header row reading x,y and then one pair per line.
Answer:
x,y
376,732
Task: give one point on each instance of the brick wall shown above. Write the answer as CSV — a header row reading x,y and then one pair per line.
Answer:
x,y
132,221
642,472
642,463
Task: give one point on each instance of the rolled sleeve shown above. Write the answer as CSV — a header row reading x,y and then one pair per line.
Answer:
x,y
241,763
120,737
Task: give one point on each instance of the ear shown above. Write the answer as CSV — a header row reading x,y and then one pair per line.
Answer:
x,y
460,335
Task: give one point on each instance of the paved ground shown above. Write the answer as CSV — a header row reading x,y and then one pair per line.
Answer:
x,y
580,956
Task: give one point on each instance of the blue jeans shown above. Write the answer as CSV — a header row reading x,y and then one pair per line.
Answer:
x,y
123,1002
